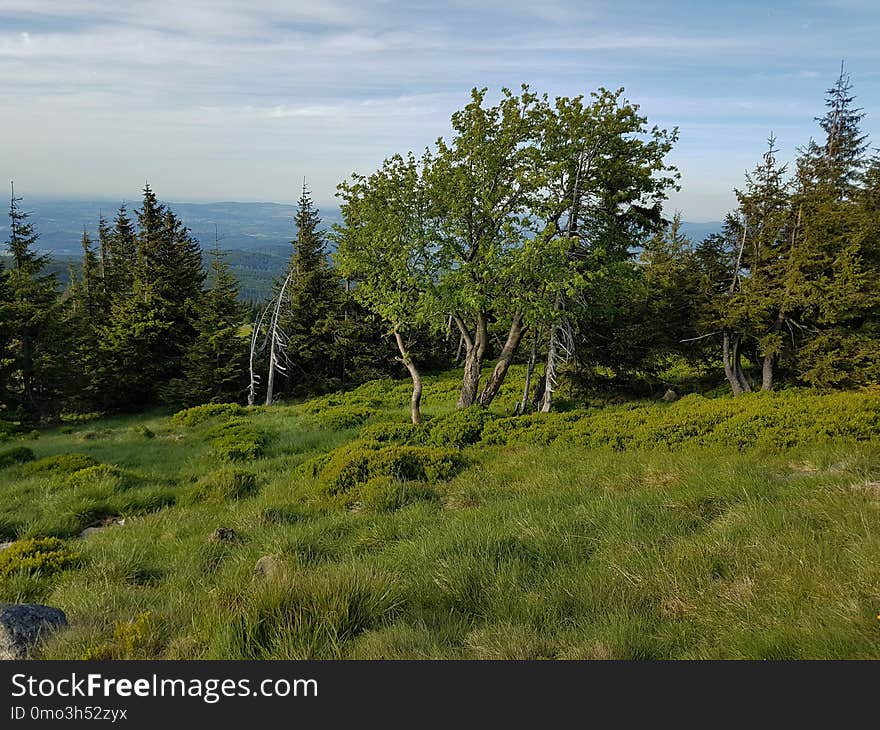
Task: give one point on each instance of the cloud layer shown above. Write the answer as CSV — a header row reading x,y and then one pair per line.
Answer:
x,y
213,99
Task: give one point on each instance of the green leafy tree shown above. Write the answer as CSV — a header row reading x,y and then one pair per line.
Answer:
x,y
387,246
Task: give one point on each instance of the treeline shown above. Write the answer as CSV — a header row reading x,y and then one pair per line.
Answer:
x,y
539,225
534,235
143,323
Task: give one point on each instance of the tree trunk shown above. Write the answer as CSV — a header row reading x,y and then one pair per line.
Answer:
x,y
729,369
767,372
737,367
416,399
530,370
514,337
550,372
475,353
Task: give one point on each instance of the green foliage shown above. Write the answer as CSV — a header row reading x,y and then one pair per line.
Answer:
x,y
460,428
16,455
343,417
236,440
779,421
226,484
61,463
356,463
41,556
76,418
190,417
8,428
134,639
104,477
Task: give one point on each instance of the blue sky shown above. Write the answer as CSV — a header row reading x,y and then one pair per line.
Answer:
x,y
221,100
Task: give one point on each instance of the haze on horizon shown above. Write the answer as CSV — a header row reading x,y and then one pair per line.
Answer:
x,y
216,100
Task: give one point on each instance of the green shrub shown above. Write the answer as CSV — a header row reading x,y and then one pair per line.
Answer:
x,y
142,430
8,429
112,478
237,440
75,418
199,414
135,639
358,462
776,420
340,418
45,556
223,485
398,433
66,463
460,428
16,455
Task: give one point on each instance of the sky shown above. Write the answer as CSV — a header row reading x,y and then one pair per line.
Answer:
x,y
217,100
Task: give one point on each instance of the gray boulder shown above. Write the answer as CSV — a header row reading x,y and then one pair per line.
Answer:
x,y
22,625
670,396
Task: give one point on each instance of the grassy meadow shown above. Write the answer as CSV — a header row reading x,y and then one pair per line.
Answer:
x,y
705,528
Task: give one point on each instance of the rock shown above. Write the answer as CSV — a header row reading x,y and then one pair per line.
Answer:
x,y
103,525
23,624
670,396
269,566
5,546
224,534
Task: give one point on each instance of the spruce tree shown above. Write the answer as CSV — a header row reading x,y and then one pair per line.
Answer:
x,y
214,366
830,277
314,307
36,347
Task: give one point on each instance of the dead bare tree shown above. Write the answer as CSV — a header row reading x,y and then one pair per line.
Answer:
x,y
277,342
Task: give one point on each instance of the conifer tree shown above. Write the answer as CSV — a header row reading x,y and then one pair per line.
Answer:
x,y
214,365
829,276
35,336
314,307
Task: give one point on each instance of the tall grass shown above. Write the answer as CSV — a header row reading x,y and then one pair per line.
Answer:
x,y
533,550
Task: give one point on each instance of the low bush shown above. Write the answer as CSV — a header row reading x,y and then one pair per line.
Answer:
x,y
236,440
460,428
340,418
8,429
397,433
111,477
44,556
65,463
356,463
775,420
134,639
16,455
223,485
190,417
75,418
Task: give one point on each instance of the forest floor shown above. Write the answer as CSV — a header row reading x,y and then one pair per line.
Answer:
x,y
706,528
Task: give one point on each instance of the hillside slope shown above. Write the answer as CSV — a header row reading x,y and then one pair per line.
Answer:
x,y
700,529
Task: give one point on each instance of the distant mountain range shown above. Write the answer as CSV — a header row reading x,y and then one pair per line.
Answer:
x,y
256,236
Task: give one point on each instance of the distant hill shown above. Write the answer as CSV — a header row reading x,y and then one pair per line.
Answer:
x,y
243,226
256,236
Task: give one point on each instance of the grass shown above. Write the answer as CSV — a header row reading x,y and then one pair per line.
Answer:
x,y
556,549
